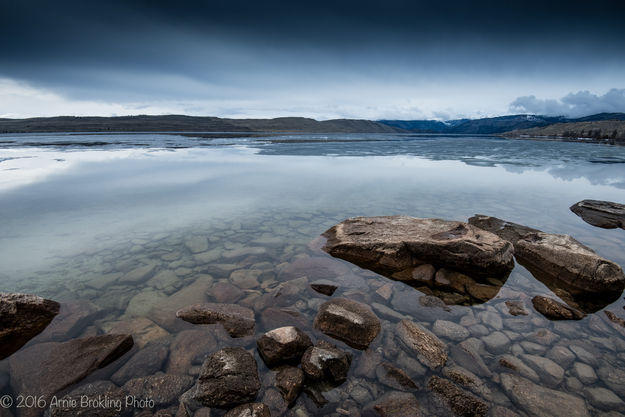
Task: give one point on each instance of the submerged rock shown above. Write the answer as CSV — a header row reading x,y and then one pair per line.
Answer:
x,y
237,320
115,405
554,258
284,344
398,404
146,361
249,410
391,244
22,317
394,377
461,402
537,400
349,321
325,361
229,377
324,286
290,381
555,310
428,348
163,389
605,214
46,368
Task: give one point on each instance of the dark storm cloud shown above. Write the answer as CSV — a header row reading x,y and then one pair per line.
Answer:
x,y
577,104
123,50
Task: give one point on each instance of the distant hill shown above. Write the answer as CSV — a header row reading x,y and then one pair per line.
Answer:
x,y
179,123
605,131
492,125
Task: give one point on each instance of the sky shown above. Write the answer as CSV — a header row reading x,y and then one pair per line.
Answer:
x,y
386,59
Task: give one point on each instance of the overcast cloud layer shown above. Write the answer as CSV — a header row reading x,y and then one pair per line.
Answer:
x,y
391,59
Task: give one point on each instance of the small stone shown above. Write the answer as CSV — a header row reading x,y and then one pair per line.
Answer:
x,y
398,404
467,354
237,320
146,361
196,244
163,389
450,330
187,347
349,321
496,342
284,344
249,410
555,310
604,399
549,371
225,292
394,377
429,348
290,381
516,308
515,364
491,319
325,361
143,330
462,403
245,278
385,291
613,378
561,355
324,286
585,373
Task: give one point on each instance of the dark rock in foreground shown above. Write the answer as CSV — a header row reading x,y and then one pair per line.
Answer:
x,y
461,402
555,310
114,407
237,320
325,361
605,214
46,368
249,410
391,244
557,258
229,377
284,344
22,317
349,321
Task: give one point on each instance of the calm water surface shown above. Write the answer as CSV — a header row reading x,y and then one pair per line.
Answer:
x,y
129,228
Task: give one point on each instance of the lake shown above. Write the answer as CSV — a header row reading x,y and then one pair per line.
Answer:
x,y
120,226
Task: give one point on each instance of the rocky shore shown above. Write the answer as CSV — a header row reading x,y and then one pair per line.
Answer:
x,y
263,329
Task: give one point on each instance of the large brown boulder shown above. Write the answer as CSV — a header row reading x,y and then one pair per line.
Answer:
x,y
22,317
605,214
557,258
391,244
229,377
350,321
47,368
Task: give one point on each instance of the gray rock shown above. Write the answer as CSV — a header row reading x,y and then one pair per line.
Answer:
x,y
22,317
491,319
72,319
163,389
561,355
349,321
605,214
515,364
196,244
46,368
604,399
496,342
394,377
229,377
591,358
450,330
146,361
238,321
467,355
555,310
428,348
114,407
540,401
613,378
391,244
461,402
249,410
282,345
325,362
468,380
550,372
585,373
398,404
